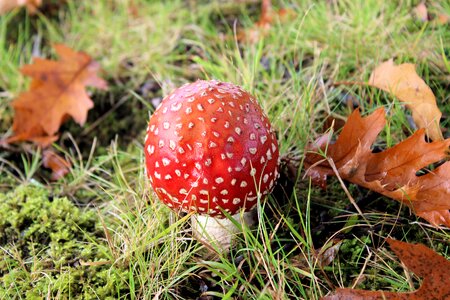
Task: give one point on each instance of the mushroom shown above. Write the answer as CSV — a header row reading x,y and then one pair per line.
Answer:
x,y
210,150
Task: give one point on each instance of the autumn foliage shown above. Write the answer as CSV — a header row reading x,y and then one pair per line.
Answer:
x,y
57,92
424,262
391,172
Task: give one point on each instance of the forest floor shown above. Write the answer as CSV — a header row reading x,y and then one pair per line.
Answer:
x,y
100,233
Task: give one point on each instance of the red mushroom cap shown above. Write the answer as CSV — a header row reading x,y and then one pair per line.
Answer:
x,y
210,148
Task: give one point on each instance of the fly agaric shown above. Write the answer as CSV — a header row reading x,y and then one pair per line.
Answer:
x,y
211,150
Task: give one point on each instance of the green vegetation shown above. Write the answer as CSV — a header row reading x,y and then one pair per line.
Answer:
x,y
99,232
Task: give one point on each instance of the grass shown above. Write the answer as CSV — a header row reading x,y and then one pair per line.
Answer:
x,y
138,248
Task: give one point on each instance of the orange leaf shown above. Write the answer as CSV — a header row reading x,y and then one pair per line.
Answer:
x,y
421,12
267,18
57,91
421,260
391,172
59,166
404,83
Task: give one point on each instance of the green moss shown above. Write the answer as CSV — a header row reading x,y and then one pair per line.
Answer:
x,y
43,242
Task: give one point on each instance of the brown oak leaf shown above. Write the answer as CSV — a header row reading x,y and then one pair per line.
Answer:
x,y
57,92
421,260
404,83
392,172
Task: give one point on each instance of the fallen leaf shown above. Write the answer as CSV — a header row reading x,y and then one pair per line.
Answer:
x,y
424,262
392,172
267,18
59,165
404,83
327,254
7,5
57,92
443,19
421,12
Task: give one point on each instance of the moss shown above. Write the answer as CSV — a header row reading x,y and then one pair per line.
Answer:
x,y
43,241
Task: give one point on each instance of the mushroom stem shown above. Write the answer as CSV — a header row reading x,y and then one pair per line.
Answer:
x,y
219,234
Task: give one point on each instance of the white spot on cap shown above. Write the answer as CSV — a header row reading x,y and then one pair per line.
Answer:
x,y
178,172
191,99
200,107
220,109
227,124
265,178
180,150
243,161
152,127
245,121
257,126
224,192
213,120
205,181
216,134
252,136
230,139
175,107
150,149
203,192
193,197
156,164
161,143
157,175
166,125
252,150
165,161
229,155
208,162
188,110
252,172
182,192
274,148
211,100
269,155
164,110
219,180
200,208
263,139
251,199
194,184
198,166
243,183
262,160
186,175
230,169
190,125
167,177
233,181
212,144
204,201
238,130
222,156
236,201
156,131
225,200
172,145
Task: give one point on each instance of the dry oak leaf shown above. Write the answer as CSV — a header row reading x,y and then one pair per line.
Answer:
x,y
59,165
404,83
57,91
7,5
392,172
421,260
267,18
